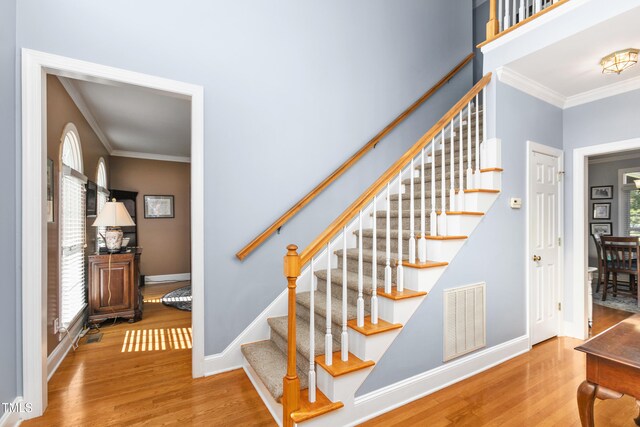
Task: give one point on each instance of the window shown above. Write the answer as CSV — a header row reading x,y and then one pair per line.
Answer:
x,y
629,203
72,227
103,196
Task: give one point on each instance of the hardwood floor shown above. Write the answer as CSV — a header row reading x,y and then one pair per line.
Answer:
x,y
113,383
535,389
101,385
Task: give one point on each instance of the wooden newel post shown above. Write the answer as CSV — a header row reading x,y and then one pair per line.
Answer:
x,y
291,383
493,26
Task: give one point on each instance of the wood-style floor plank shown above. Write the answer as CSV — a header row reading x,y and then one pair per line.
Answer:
x,y
99,385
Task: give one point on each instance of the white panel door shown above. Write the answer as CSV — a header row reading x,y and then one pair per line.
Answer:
x,y
544,240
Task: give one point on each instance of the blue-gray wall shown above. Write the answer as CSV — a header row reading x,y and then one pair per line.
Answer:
x,y
607,120
291,90
494,252
480,19
8,252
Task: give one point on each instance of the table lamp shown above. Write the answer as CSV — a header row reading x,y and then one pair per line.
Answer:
x,y
113,216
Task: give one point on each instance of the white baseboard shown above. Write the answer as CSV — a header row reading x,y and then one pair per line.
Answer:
x,y
395,395
60,352
180,277
231,358
12,419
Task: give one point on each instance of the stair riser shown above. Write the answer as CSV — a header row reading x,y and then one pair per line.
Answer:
x,y
352,265
427,178
320,321
352,294
381,244
301,362
381,223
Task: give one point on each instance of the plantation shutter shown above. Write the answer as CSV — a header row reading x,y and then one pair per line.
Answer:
x,y
72,237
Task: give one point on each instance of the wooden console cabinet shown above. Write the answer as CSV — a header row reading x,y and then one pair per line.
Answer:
x,y
114,287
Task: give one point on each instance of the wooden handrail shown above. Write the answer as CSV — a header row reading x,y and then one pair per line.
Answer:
x,y
377,186
244,252
493,26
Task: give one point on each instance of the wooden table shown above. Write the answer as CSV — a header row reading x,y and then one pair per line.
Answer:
x,y
613,367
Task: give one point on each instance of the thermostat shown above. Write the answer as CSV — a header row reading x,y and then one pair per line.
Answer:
x,y
515,203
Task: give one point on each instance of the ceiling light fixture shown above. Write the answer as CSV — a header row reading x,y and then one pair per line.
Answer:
x,y
619,61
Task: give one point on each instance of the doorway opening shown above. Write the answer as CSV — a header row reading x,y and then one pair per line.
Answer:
x,y
104,161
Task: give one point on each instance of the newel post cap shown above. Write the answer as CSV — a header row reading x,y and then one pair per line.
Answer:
x,y
292,262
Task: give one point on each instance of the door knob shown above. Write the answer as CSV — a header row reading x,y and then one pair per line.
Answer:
x,y
536,258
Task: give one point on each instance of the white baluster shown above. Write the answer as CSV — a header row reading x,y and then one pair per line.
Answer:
x,y
328,338
360,302
521,11
312,341
399,269
500,16
477,172
387,269
484,117
538,6
374,268
412,213
442,222
452,165
469,169
507,14
422,243
460,165
433,216
344,337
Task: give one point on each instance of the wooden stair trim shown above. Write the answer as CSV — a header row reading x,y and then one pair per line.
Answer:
x,y
370,329
308,411
398,296
258,240
443,237
339,367
491,170
482,190
428,264
462,213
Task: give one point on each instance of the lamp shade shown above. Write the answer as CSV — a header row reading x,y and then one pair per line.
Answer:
x,y
113,214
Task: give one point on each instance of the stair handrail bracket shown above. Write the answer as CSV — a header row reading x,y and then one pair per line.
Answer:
x,y
262,237
367,267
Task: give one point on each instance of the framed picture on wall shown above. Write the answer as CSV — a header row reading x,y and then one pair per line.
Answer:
x,y
602,192
92,198
50,197
158,207
601,228
602,211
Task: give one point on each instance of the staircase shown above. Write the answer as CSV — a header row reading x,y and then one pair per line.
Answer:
x,y
371,269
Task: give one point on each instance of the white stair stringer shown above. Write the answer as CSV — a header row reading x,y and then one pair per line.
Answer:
x,y
372,347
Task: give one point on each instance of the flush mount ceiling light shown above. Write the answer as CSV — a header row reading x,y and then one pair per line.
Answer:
x,y
619,61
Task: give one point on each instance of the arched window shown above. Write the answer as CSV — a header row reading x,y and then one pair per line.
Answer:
x,y
103,196
72,227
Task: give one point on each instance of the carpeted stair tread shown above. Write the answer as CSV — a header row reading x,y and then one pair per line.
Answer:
x,y
279,325
352,280
382,234
270,364
367,256
304,299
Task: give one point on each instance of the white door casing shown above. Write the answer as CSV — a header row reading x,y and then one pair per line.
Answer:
x,y
544,265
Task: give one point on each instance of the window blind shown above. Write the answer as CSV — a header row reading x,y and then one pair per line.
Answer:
x,y
72,237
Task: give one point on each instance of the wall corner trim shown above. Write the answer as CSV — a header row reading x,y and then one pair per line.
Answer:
x,y
12,419
383,400
62,349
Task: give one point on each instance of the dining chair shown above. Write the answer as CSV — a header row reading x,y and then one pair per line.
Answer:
x,y
597,240
620,255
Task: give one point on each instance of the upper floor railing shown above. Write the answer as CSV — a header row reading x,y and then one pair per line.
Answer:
x,y
258,240
507,15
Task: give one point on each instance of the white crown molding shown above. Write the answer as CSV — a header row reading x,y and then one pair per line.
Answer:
x,y
150,156
531,87
77,99
603,92
614,158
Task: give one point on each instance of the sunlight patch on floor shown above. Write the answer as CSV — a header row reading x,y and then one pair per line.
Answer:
x,y
139,340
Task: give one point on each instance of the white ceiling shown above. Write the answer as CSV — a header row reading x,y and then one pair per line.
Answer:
x,y
134,121
572,66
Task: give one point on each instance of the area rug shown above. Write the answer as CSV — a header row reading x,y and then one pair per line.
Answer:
x,y
179,298
621,302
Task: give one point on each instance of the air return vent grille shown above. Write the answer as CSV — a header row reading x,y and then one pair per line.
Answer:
x,y
464,320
